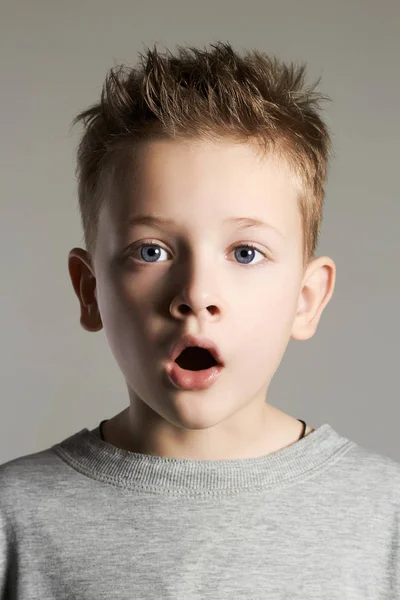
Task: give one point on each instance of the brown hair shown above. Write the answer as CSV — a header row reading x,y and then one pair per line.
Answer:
x,y
206,94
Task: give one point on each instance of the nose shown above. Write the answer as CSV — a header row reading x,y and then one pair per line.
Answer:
x,y
199,297
182,308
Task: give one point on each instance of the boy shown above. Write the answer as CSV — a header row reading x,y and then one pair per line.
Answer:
x,y
201,185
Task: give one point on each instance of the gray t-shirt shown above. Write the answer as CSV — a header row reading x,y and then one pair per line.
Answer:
x,y
317,520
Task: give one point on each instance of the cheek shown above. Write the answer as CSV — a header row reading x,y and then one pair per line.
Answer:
x,y
271,304
265,321
126,327
122,312
125,294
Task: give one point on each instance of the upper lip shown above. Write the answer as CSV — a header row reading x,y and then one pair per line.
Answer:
x,y
191,340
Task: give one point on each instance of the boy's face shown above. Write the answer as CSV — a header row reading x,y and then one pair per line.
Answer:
x,y
155,283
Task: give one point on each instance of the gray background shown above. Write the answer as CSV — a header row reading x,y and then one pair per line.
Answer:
x,y
56,378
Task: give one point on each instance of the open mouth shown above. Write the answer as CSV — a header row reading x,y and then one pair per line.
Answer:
x,y
194,358
195,368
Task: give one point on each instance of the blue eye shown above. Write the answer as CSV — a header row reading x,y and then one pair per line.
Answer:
x,y
248,253
151,252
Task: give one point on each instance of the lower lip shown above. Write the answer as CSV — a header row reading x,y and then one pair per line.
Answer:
x,y
192,380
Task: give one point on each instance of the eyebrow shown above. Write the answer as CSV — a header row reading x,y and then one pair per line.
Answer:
x,y
241,222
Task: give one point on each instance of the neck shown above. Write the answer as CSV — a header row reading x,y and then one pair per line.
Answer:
x,y
278,430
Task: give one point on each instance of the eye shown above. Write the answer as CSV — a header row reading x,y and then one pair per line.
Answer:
x,y
150,253
248,253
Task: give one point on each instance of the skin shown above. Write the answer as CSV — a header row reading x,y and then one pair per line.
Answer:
x,y
201,284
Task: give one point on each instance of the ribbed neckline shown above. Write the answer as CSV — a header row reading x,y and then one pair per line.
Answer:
x,y
86,452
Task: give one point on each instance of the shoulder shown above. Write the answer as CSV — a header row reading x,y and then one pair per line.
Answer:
x,y
372,478
374,463
25,479
24,468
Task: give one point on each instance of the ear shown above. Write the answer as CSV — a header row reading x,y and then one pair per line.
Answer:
x,y
84,282
317,289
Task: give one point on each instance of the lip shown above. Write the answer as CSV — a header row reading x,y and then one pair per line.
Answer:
x,y
189,340
192,380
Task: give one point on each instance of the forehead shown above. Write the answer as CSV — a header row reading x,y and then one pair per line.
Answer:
x,y
202,184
